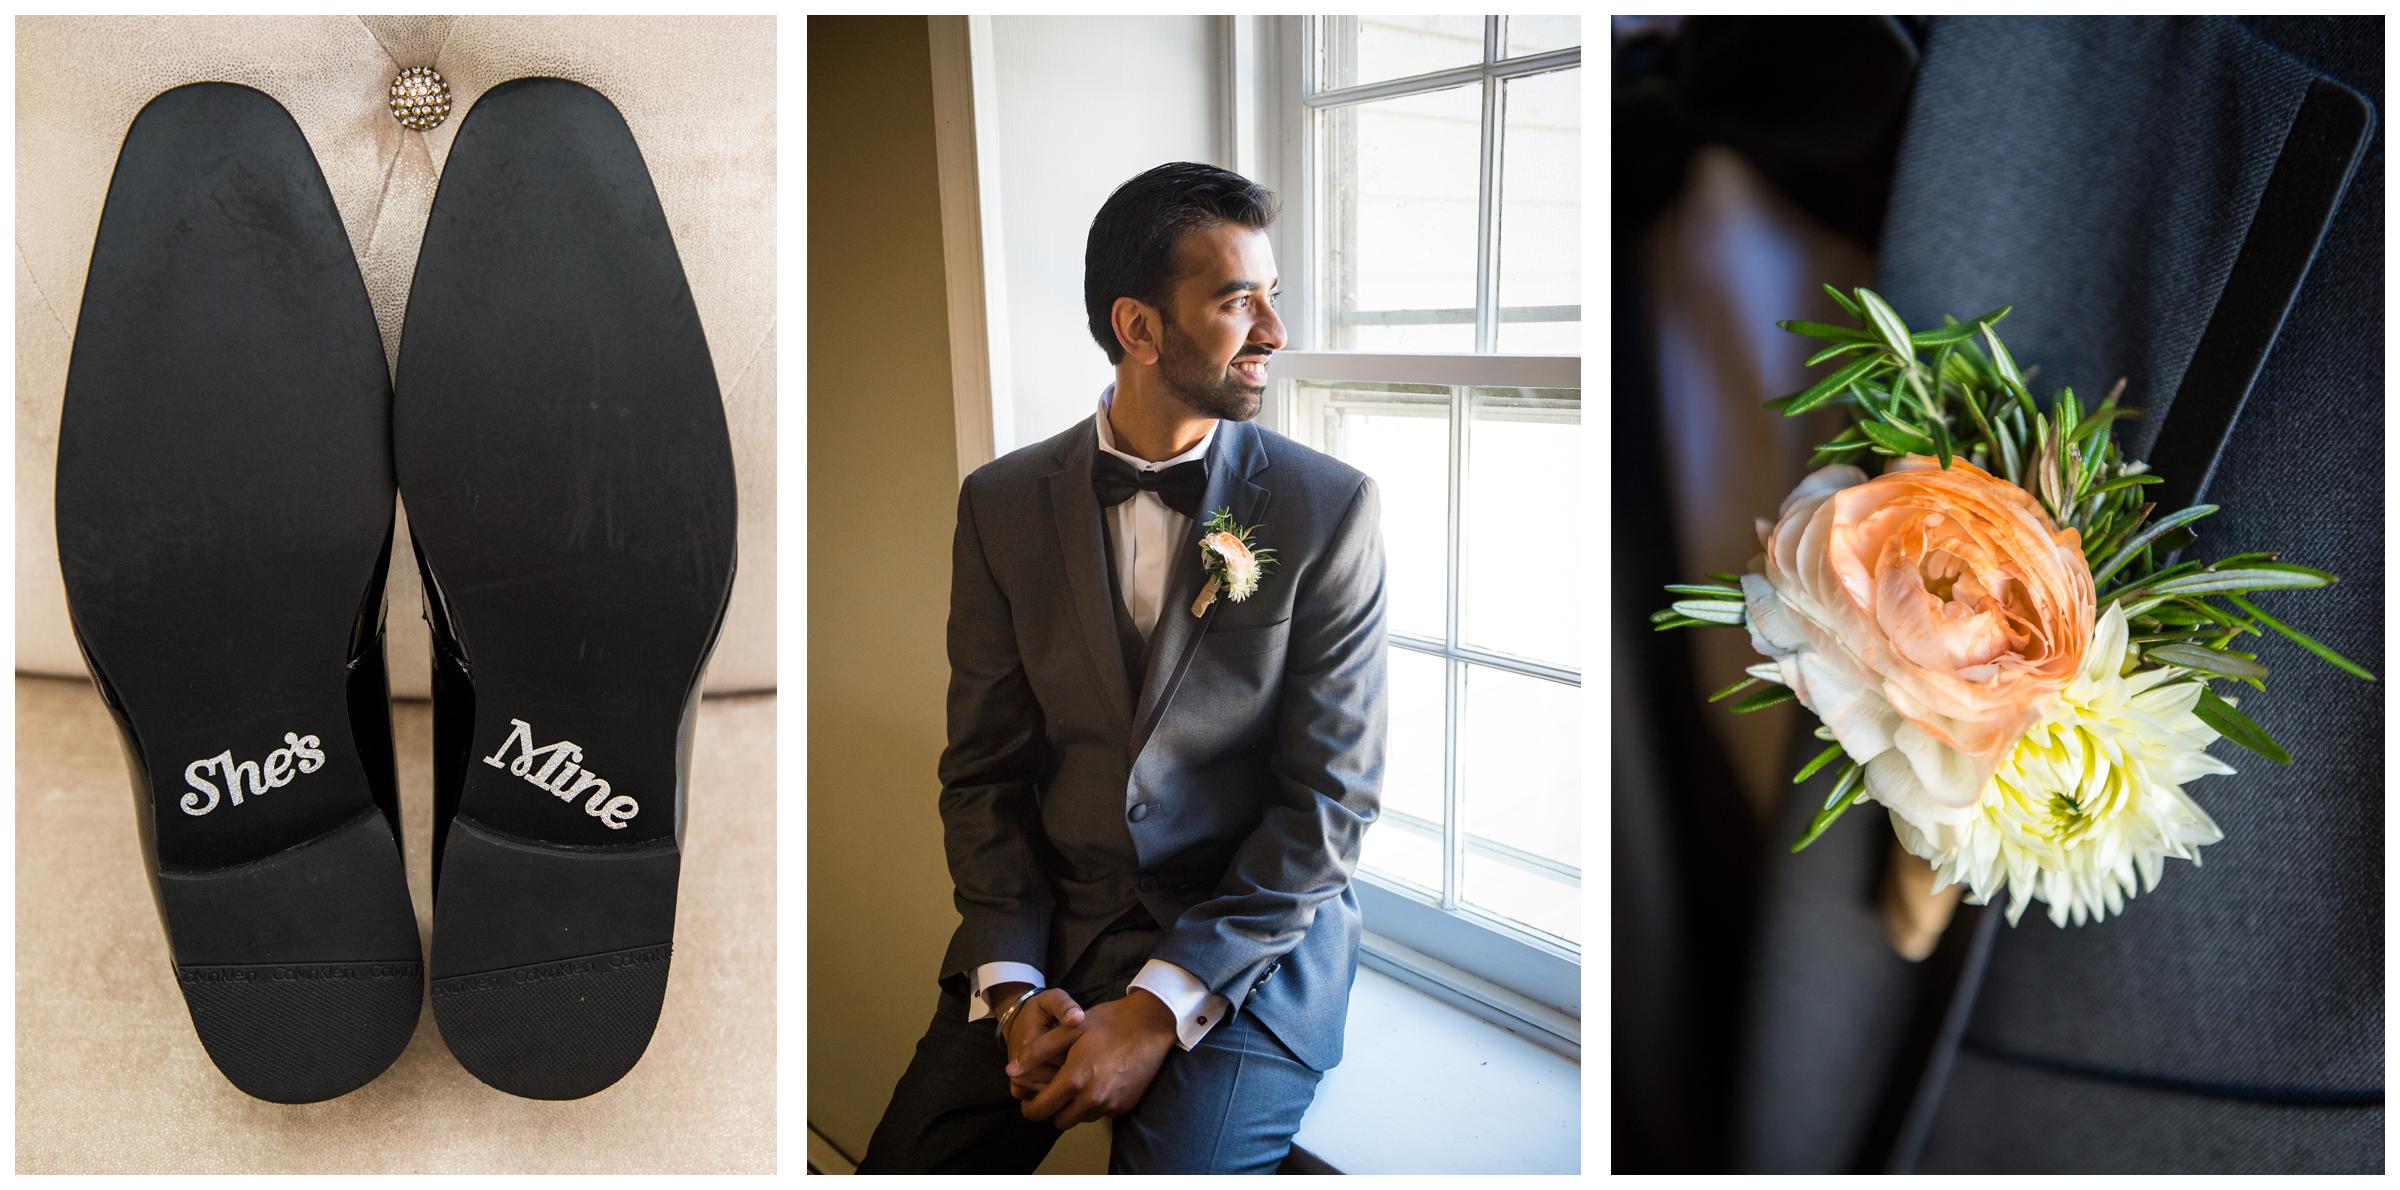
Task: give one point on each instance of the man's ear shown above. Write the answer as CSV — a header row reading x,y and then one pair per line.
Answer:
x,y
1138,329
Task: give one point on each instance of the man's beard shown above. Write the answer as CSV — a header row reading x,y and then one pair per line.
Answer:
x,y
1208,390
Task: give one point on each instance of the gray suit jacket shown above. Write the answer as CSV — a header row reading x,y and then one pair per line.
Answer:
x,y
1228,793
2195,205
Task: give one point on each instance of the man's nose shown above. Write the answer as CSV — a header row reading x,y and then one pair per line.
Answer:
x,y
1269,330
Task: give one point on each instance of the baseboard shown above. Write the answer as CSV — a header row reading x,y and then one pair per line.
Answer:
x,y
826,1157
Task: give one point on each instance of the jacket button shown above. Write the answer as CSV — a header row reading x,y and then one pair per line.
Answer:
x,y
1140,811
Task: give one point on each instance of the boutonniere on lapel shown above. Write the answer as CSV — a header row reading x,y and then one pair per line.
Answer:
x,y
1233,567
2004,649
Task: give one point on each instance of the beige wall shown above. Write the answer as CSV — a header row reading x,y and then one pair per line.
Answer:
x,y
1085,102
882,492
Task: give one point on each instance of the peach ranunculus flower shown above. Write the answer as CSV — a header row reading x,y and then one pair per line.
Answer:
x,y
1929,616
1241,568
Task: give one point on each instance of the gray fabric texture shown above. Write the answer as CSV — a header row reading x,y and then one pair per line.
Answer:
x,y
2100,1125
2102,176
1827,1002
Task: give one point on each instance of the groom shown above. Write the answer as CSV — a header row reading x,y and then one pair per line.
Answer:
x,y
1154,791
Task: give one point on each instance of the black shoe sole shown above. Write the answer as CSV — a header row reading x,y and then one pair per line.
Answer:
x,y
569,483
224,514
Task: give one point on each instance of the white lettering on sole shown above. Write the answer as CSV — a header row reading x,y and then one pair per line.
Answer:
x,y
301,754
555,769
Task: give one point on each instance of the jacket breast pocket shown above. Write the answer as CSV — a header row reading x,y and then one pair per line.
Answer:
x,y
1247,642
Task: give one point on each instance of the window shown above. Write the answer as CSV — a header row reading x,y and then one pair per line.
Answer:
x,y
1445,201
1431,249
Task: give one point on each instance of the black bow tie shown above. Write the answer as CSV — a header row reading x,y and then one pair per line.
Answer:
x,y
1115,481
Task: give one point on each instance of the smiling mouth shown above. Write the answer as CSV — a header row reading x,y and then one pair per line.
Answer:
x,y
1255,369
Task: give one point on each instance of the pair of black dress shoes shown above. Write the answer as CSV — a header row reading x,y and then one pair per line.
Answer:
x,y
227,461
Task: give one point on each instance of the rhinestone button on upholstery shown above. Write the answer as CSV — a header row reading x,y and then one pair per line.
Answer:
x,y
420,99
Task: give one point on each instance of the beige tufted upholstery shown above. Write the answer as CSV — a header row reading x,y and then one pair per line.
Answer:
x,y
699,94
113,1079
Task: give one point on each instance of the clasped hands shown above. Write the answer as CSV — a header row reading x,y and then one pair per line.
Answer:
x,y
1070,1065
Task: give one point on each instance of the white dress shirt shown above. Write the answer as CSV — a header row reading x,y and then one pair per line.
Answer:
x,y
1144,535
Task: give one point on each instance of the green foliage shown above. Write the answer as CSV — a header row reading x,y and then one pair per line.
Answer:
x,y
1849,790
1764,699
2236,726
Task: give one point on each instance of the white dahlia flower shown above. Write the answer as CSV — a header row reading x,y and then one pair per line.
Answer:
x,y
2089,797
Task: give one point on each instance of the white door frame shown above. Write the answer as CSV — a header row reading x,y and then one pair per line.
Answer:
x,y
966,99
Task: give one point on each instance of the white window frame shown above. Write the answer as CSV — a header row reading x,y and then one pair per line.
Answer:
x,y
1428,939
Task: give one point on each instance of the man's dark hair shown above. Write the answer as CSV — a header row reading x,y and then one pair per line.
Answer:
x,y
1131,251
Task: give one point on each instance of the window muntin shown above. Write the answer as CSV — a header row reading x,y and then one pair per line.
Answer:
x,y
1481,808
1422,181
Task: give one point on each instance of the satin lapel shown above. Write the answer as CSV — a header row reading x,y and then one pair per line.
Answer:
x,y
2320,154
1177,635
1076,516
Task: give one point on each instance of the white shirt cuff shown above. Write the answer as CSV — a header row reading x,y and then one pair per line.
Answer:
x,y
992,975
1196,1009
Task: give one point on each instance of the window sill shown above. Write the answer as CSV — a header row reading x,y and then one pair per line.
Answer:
x,y
1425,1087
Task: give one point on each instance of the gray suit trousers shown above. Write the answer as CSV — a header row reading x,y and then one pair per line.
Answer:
x,y
1228,1105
